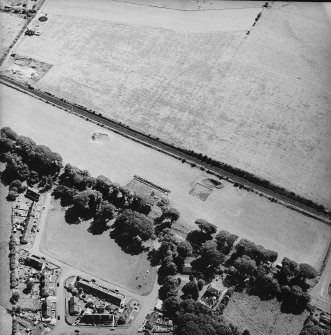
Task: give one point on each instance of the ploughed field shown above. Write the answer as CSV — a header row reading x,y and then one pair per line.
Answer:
x,y
246,214
259,102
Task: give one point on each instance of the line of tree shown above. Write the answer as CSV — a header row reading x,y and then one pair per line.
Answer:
x,y
26,162
192,317
249,268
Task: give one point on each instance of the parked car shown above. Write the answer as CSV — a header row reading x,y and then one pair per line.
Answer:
x,y
58,317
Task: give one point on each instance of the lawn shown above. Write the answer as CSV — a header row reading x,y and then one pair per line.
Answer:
x,y
246,214
5,228
97,255
262,317
259,102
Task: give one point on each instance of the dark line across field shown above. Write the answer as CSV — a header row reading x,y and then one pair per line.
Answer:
x,y
164,147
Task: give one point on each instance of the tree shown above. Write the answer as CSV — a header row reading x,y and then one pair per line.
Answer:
x,y
29,285
7,132
225,241
73,177
12,195
6,145
265,286
17,184
191,288
169,268
245,266
167,290
46,183
87,203
25,147
206,227
64,193
210,255
106,211
15,168
201,284
288,271
33,178
306,271
171,306
135,224
103,185
184,248
171,213
15,296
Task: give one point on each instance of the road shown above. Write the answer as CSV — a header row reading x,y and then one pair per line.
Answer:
x,y
161,146
146,302
320,293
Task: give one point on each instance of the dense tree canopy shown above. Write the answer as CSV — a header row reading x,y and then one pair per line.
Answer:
x,y
7,132
206,227
225,241
184,248
135,224
256,252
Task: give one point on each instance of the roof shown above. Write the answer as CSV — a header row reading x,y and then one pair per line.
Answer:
x,y
114,296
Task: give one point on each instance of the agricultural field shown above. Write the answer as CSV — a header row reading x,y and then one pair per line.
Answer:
x,y
243,213
262,317
10,26
194,78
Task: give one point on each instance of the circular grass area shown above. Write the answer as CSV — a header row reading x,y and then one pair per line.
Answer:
x,y
43,18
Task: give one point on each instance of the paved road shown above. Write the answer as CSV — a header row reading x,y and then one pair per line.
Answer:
x,y
320,293
159,145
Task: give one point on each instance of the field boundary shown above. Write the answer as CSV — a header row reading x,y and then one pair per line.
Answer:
x,y
179,9
239,178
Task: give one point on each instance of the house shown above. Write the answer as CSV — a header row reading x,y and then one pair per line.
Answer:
x,y
187,268
109,295
211,296
44,280
35,262
32,194
158,305
47,308
74,306
97,319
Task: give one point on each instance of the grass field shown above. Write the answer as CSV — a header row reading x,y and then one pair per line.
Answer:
x,y
274,226
262,317
5,228
10,25
97,255
259,102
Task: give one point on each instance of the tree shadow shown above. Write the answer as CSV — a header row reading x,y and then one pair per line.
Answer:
x,y
6,177
98,227
154,257
129,244
196,238
72,215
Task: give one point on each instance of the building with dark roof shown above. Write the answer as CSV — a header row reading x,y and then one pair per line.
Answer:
x,y
47,308
32,194
74,307
35,262
101,292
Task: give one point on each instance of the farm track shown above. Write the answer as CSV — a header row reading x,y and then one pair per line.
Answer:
x,y
164,147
